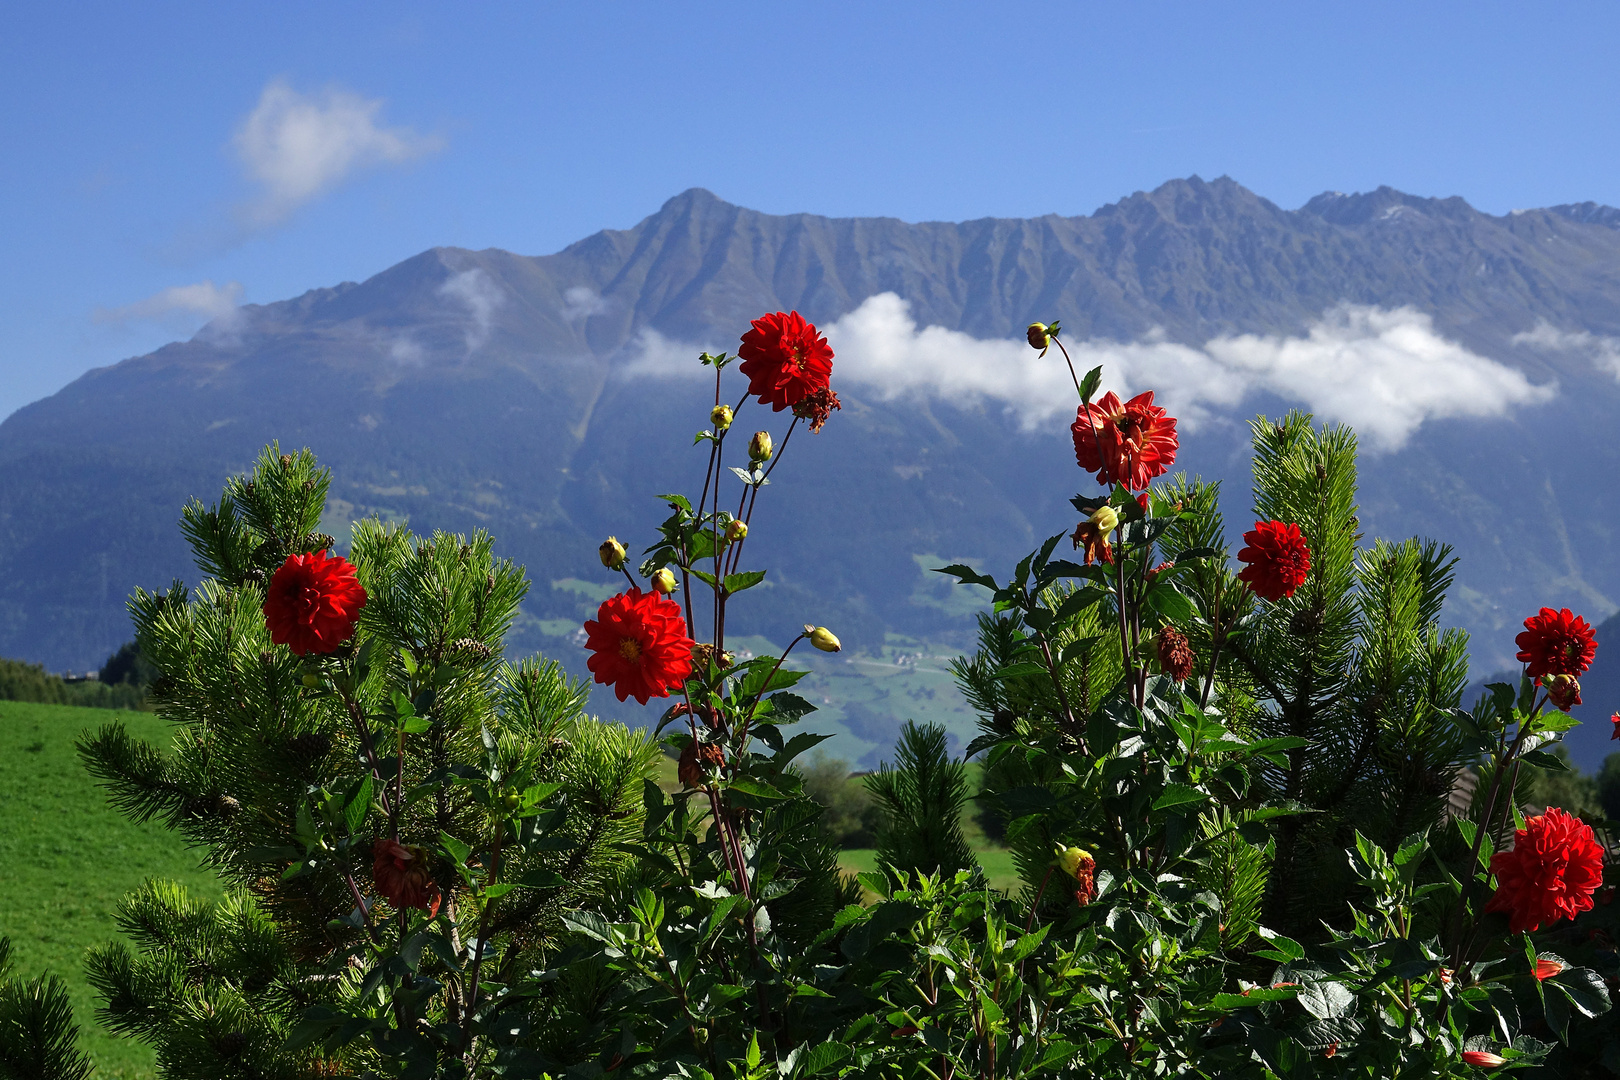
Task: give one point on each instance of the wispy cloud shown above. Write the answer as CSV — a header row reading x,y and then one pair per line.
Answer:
x,y
296,147
1384,372
178,301
481,295
1604,352
651,353
581,302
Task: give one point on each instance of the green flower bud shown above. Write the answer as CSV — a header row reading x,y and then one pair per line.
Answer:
x,y
759,447
1038,337
720,417
736,530
822,638
612,553
663,581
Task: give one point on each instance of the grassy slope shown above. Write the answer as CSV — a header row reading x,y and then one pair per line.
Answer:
x,y
69,858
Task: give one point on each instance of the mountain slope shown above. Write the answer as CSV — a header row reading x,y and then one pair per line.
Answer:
x,y
466,389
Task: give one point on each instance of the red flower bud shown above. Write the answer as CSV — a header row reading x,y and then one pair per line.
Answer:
x,y
1483,1058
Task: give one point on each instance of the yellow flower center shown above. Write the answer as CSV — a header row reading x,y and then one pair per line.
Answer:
x,y
630,649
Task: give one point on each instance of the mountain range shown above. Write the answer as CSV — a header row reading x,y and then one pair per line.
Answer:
x,y
550,399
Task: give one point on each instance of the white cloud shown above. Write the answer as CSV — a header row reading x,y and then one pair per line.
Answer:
x,y
204,298
1604,352
581,302
297,146
652,354
481,295
1384,372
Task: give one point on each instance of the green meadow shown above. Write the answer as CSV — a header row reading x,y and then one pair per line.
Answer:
x,y
68,858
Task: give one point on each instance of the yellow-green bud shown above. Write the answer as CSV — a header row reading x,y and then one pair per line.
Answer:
x,y
1105,518
720,417
822,638
759,447
1070,860
736,530
511,800
612,553
1038,337
311,679
663,580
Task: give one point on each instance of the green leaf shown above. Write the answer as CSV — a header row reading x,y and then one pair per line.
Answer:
x,y
1089,384
354,814
966,575
1178,795
1254,997
455,848
1172,603
756,788
1543,760
498,890
1020,671
823,1057
736,583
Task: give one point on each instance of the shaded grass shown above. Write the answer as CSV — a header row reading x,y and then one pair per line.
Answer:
x,y
69,858
997,863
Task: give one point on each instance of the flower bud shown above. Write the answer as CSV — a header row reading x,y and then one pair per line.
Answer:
x,y
759,447
720,417
1038,337
663,580
822,638
612,553
1106,518
311,679
1562,690
1070,860
736,531
1546,969
1484,1059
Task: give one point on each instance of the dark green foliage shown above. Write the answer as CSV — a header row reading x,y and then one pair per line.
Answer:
x,y
922,798
850,818
38,1037
1608,785
128,665
30,682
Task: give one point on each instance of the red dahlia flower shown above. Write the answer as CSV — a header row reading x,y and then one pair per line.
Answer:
x,y
1615,720
785,359
403,876
1556,643
1128,444
1278,557
1175,654
639,645
313,603
1551,873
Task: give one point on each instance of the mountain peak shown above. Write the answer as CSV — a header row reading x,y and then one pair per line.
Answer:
x,y
1383,204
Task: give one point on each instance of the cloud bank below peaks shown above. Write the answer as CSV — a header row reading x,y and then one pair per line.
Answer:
x,y
1382,371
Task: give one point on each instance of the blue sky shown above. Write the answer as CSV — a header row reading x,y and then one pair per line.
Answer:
x,y
163,160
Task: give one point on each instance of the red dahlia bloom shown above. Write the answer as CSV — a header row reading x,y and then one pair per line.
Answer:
x,y
1615,720
1556,643
313,603
785,360
639,645
1128,444
403,876
1175,654
1278,557
1551,873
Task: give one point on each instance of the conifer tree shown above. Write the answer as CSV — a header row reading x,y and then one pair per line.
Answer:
x,y
344,795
